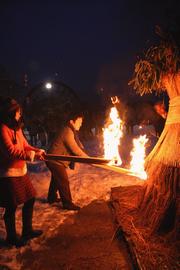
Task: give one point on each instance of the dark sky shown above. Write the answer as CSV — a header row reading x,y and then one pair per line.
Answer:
x,y
90,45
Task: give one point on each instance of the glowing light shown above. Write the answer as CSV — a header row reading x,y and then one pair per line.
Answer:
x,y
48,85
112,134
138,156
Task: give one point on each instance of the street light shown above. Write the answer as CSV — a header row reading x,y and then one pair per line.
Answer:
x,y
48,85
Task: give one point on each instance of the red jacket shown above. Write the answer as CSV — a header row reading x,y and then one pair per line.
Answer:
x,y
13,152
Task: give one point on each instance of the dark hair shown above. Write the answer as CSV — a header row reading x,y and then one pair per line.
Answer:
x,y
8,109
74,115
77,115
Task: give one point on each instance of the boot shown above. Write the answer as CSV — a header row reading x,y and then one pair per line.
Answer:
x,y
56,200
32,234
28,232
70,206
12,238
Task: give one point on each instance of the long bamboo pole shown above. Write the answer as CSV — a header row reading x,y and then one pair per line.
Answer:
x,y
115,169
118,170
91,160
98,162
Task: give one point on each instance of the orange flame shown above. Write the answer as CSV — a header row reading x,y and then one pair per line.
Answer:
x,y
112,135
138,156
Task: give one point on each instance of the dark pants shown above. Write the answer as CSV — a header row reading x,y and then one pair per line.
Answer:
x,y
10,223
59,182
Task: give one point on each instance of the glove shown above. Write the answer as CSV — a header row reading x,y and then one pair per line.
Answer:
x,y
30,155
40,154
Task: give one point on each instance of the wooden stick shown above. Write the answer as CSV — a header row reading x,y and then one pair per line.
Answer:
x,y
91,160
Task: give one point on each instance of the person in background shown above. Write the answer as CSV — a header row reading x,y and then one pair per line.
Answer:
x,y
160,109
15,185
66,143
161,112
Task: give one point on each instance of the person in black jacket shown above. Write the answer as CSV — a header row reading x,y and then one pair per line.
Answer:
x,y
66,143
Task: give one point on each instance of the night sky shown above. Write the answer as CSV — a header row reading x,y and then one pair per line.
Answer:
x,y
89,45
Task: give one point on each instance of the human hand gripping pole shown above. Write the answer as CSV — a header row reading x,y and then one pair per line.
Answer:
x,y
40,154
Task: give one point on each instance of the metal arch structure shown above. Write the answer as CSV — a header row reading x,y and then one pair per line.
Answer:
x,y
41,86
47,109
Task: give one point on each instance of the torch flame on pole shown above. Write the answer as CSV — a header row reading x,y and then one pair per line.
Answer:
x,y
138,156
112,134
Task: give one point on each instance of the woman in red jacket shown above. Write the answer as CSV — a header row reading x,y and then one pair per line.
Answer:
x,y
15,185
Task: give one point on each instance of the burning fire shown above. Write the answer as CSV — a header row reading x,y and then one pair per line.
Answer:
x,y
112,135
138,156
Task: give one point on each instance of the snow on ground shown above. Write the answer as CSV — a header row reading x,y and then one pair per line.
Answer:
x,y
88,183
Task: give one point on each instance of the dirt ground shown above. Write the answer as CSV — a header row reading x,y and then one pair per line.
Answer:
x,y
84,241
